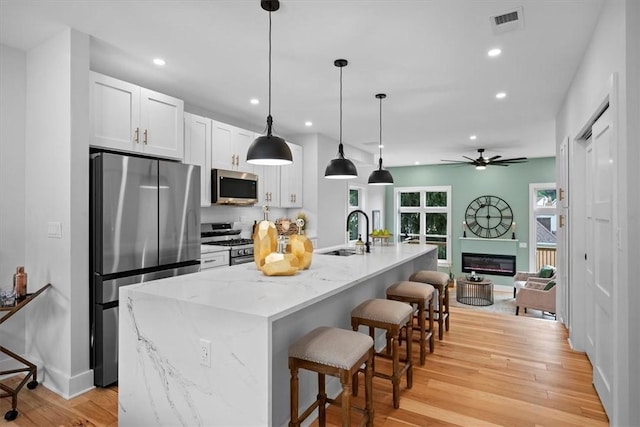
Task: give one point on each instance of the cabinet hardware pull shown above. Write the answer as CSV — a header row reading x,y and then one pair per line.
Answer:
x,y
561,221
561,194
144,139
136,138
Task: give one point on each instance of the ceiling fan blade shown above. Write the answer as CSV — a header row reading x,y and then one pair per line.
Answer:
x,y
455,162
515,159
469,158
494,158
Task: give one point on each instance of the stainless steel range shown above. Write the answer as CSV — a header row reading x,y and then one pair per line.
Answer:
x,y
222,234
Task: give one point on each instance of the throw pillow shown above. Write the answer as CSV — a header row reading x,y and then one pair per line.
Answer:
x,y
547,271
531,284
550,285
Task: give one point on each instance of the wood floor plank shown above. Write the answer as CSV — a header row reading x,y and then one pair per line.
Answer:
x,y
490,369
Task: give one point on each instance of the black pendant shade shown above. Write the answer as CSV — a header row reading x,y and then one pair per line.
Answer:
x,y
269,149
380,176
340,167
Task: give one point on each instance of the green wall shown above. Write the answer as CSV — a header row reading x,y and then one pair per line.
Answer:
x,y
510,183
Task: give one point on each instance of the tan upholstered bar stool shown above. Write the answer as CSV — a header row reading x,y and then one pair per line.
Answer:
x,y
339,353
391,316
440,281
420,296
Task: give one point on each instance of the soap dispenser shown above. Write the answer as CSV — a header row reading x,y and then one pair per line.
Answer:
x,y
360,246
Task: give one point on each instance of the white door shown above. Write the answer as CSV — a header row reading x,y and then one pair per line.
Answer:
x,y
600,254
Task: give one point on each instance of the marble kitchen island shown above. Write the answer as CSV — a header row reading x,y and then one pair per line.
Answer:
x,y
250,320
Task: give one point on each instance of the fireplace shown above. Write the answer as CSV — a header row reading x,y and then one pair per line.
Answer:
x,y
497,265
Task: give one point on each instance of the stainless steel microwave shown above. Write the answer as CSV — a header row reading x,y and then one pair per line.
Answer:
x,y
233,187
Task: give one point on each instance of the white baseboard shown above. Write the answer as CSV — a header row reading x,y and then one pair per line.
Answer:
x,y
56,381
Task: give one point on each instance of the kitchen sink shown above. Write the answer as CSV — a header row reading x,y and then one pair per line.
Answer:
x,y
341,252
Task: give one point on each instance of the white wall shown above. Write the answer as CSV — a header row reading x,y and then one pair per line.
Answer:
x,y
57,190
607,54
632,155
12,184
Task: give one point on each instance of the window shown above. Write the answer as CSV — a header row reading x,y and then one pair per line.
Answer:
x,y
543,227
423,215
356,196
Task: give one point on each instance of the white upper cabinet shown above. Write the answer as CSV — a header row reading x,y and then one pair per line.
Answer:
x,y
126,117
197,151
229,147
291,180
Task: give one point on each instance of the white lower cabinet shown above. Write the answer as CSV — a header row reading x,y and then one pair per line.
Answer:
x,y
197,151
126,117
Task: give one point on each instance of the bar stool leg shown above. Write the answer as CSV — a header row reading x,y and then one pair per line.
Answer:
x,y
409,328
441,290
322,400
345,379
293,404
446,305
431,339
368,389
396,368
423,334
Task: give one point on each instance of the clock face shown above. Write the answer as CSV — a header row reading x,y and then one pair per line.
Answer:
x,y
489,217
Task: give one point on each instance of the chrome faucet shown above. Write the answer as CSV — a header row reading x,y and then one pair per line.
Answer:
x,y
357,211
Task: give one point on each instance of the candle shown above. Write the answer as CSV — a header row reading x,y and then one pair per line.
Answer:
x,y
464,225
513,227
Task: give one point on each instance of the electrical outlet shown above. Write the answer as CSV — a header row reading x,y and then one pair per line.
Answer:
x,y
205,352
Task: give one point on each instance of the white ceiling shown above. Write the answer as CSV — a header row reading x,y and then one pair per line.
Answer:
x,y
429,57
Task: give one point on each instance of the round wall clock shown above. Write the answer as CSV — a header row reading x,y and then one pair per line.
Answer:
x,y
488,216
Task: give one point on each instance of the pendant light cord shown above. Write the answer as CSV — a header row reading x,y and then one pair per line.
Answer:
x,y
269,118
340,110
269,63
380,145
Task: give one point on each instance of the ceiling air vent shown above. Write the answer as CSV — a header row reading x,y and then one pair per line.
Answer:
x,y
511,20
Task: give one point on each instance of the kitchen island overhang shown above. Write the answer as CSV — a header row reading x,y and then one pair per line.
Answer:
x,y
250,320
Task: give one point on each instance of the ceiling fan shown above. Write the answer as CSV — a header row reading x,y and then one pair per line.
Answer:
x,y
482,162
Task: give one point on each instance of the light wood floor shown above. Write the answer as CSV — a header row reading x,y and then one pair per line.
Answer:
x,y
490,369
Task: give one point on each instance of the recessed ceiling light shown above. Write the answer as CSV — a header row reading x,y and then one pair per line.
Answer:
x,y
308,123
501,95
494,52
416,163
255,101
159,62
473,137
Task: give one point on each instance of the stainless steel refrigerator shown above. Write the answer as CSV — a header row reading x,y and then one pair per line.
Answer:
x,y
144,225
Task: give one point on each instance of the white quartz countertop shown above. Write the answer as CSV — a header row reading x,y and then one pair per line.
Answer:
x,y
244,289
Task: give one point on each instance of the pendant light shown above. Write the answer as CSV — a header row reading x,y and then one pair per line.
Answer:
x,y
269,149
340,167
380,176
